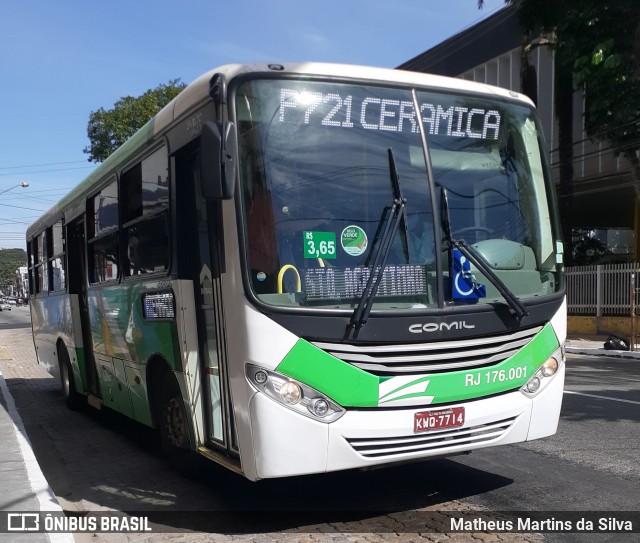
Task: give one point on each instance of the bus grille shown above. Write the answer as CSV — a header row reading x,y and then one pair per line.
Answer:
x,y
437,441
436,356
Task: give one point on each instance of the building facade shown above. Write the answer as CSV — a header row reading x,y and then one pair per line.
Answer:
x,y
22,282
599,203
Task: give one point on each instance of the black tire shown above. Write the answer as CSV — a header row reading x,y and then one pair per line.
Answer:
x,y
174,427
69,393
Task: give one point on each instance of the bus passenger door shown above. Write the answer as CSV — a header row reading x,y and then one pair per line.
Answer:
x,y
77,264
198,259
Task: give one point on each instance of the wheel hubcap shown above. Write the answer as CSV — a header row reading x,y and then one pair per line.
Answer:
x,y
176,424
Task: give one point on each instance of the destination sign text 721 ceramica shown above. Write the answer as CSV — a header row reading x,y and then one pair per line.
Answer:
x,y
373,113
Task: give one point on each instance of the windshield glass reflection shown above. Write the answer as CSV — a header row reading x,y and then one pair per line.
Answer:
x,y
314,174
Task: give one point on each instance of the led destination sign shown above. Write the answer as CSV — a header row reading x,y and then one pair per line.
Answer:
x,y
349,283
374,113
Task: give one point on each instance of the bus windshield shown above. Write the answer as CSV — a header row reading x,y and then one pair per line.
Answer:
x,y
316,191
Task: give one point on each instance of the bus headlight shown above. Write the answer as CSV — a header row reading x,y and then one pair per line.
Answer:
x,y
295,395
542,377
550,367
290,393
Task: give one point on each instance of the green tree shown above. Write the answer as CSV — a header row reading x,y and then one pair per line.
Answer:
x,y
598,42
110,128
597,49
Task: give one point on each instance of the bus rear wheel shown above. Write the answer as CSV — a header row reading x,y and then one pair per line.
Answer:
x,y
71,397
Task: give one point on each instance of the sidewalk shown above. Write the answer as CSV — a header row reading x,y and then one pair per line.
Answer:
x,y
23,487
594,346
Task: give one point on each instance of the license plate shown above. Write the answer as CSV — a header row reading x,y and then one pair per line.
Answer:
x,y
438,419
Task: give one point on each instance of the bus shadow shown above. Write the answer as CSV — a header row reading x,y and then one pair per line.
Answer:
x,y
407,498
415,497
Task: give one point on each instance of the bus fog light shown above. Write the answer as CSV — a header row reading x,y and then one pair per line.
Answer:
x,y
533,385
550,367
260,377
319,407
290,393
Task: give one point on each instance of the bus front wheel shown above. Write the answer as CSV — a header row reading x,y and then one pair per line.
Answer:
x,y
174,426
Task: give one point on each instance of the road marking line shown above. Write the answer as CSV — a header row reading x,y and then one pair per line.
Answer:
x,y
625,379
605,370
601,397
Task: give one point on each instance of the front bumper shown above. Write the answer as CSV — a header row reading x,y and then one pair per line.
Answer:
x,y
286,443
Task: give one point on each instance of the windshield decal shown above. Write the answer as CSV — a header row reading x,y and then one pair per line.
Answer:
x,y
372,113
465,286
319,244
354,240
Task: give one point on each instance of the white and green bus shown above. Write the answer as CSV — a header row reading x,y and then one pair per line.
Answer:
x,y
303,268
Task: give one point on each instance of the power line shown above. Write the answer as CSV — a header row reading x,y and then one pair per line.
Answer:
x,y
15,195
597,135
21,207
10,221
47,171
595,152
42,165
46,201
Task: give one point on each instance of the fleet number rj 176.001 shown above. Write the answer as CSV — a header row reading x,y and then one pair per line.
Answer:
x,y
495,376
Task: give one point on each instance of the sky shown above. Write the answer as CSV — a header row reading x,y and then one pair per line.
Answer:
x,y
61,60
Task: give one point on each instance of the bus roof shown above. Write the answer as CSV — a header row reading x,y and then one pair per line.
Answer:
x,y
197,92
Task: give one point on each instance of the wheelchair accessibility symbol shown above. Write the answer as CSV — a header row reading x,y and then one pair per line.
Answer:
x,y
464,284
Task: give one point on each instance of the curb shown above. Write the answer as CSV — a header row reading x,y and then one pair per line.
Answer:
x,y
590,351
43,493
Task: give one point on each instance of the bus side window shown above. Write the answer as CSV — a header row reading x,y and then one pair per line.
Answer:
x,y
105,259
145,215
147,243
42,284
102,216
55,252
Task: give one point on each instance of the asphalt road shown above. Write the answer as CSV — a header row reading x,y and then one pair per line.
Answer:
x,y
99,461
19,317
592,464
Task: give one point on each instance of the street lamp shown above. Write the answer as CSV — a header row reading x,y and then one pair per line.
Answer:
x,y
23,184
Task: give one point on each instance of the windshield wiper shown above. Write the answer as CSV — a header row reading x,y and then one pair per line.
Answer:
x,y
379,254
471,253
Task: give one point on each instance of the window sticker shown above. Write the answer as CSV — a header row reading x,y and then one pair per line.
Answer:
x,y
464,285
319,244
354,240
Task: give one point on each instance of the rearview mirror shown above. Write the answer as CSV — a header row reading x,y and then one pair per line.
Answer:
x,y
218,160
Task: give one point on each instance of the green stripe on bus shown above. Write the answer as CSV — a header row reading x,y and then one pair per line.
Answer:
x,y
352,387
461,385
342,382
